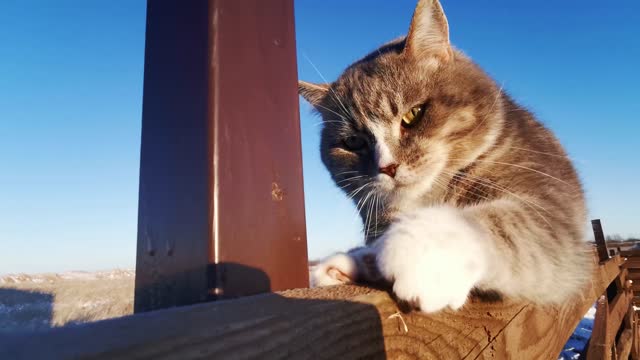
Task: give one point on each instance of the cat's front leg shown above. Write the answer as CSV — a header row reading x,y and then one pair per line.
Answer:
x,y
357,265
434,257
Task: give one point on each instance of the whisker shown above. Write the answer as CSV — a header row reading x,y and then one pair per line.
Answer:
x,y
529,150
562,156
520,167
377,204
495,186
474,188
366,220
343,117
351,178
492,185
328,122
346,172
355,192
359,210
447,187
335,96
495,101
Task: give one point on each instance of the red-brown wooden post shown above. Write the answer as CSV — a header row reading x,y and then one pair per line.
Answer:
x,y
601,244
221,206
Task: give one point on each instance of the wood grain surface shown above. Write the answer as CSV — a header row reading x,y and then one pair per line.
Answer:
x,y
343,322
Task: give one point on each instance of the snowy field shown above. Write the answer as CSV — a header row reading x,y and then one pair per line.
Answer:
x,y
35,302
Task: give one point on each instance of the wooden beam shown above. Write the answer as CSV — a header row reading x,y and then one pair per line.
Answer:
x,y
634,274
633,262
635,347
601,244
221,206
618,310
624,344
630,253
600,342
336,322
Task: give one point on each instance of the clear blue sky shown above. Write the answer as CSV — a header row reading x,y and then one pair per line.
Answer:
x,y
71,90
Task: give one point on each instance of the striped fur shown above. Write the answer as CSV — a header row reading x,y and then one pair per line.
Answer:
x,y
474,152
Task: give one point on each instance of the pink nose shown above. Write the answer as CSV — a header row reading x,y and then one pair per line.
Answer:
x,y
389,170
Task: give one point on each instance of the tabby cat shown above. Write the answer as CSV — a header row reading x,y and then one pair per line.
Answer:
x,y
459,187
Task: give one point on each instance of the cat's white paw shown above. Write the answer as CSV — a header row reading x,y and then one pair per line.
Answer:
x,y
337,269
434,257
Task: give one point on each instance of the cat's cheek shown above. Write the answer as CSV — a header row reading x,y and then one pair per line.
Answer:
x,y
434,257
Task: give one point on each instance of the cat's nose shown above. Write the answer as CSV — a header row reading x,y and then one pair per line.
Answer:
x,y
389,170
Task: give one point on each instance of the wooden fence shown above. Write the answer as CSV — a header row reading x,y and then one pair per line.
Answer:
x,y
221,215
615,330
345,322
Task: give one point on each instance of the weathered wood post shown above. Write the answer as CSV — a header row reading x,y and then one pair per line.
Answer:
x,y
601,244
221,207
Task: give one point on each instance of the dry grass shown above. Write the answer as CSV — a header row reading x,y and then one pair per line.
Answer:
x,y
43,301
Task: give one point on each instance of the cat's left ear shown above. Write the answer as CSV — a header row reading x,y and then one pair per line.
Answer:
x,y
313,93
429,32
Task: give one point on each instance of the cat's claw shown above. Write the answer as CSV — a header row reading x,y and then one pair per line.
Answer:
x,y
358,265
337,269
434,257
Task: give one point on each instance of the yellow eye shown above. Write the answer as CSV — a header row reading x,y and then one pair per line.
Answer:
x,y
410,118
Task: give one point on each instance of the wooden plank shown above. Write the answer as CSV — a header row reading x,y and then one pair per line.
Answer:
x,y
307,323
221,205
630,253
600,342
601,245
629,320
332,323
624,344
635,347
544,331
618,310
621,280
633,274
633,263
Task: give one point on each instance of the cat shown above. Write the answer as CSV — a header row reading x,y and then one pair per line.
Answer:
x,y
459,188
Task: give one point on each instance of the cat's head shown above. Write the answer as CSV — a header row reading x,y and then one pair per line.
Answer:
x,y
406,114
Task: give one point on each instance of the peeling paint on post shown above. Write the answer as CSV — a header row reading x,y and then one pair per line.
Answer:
x,y
221,206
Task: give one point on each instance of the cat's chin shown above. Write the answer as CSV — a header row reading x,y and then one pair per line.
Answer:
x,y
404,196
385,183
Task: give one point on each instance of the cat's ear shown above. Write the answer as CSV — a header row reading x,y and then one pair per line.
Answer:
x,y
429,32
313,93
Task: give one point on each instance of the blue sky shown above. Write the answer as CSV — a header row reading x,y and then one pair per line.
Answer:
x,y
71,90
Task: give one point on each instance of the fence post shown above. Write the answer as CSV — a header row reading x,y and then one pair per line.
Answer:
x,y
599,238
221,206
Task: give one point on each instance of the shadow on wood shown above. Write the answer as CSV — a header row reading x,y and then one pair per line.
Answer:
x,y
339,322
262,327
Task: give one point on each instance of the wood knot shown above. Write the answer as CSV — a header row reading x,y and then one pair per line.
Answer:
x,y
277,194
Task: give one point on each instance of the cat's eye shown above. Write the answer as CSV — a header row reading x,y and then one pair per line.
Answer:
x,y
412,116
354,142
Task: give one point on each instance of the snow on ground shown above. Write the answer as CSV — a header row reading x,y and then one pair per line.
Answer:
x,y
578,340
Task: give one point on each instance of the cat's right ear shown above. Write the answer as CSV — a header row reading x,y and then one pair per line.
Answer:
x,y
313,93
428,35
